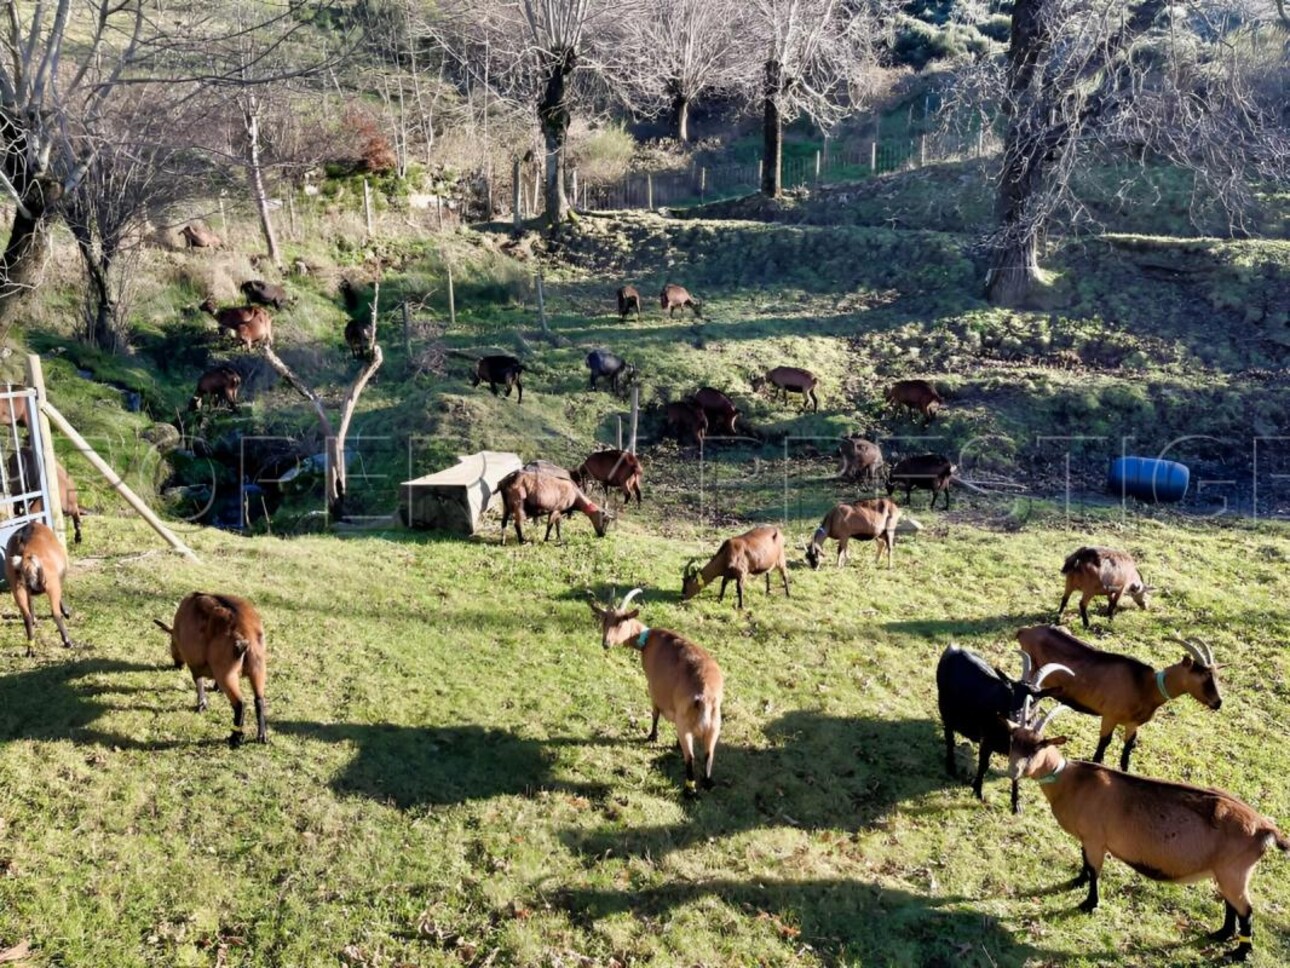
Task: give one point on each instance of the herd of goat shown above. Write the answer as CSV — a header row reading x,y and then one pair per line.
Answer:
x,y
1165,830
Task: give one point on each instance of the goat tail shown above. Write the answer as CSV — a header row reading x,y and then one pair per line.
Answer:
x,y
1073,561
1275,836
163,626
705,712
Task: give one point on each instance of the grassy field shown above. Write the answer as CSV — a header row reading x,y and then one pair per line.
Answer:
x,y
457,773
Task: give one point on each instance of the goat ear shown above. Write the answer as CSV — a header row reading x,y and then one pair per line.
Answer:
x,y
633,613
1188,662
1003,675
1055,741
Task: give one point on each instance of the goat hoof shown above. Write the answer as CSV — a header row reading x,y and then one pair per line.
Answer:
x,y
691,790
707,783
235,740
1088,906
651,738
1222,934
1241,952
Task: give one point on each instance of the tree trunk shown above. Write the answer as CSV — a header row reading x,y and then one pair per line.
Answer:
x,y
681,117
773,132
554,115
100,307
23,255
255,175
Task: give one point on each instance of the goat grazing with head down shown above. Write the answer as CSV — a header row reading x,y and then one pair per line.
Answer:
x,y
611,468
975,699
1171,832
930,472
249,325
916,395
685,683
1102,571
790,379
221,636
756,552
1120,689
629,300
533,494
36,564
874,520
861,459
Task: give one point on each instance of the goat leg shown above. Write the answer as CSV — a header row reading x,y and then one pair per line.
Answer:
x,y
201,693
1244,937
1090,903
1229,924
739,590
1103,742
1130,742
982,764
261,730
1083,609
1062,607
949,752
653,729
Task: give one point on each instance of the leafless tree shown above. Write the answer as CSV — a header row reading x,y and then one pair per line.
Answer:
x,y
820,60
1085,79
672,52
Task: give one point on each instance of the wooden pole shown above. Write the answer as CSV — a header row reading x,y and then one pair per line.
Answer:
x,y
636,410
291,212
516,200
407,332
703,183
817,166
575,187
36,380
367,206
873,157
649,190
619,437
223,221
541,299
452,299
102,466
922,150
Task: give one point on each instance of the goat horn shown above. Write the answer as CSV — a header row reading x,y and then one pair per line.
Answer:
x,y
628,598
1049,717
1026,665
1209,653
1194,650
1025,711
1051,667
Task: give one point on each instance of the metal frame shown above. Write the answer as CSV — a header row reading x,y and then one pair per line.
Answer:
x,y
11,443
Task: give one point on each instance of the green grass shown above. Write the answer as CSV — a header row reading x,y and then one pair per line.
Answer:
x,y
457,773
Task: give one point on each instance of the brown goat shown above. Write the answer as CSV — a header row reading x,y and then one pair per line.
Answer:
x,y
875,520
222,383
13,410
790,379
685,683
221,636
931,472
35,564
629,300
1171,832
1120,689
674,297
861,459
718,408
67,495
685,419
198,236
257,291
756,552
534,493
916,395
611,468
249,325
360,337
1102,571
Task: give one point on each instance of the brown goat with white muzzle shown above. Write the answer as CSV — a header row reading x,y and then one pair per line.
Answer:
x,y
1120,689
685,683
221,636
874,520
36,564
755,552
1102,571
534,493
1171,832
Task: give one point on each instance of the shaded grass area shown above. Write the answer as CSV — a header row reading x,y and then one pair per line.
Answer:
x,y
457,771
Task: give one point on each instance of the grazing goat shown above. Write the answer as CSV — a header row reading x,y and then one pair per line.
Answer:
x,y
499,370
30,473
756,552
34,564
1120,689
1102,571
198,236
975,700
611,468
221,636
928,471
249,325
629,300
360,337
718,408
257,291
676,297
790,379
684,419
916,395
1171,832
874,519
535,493
221,383
604,364
861,459
685,683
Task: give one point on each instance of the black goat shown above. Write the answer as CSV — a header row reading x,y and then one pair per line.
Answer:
x,y
603,363
930,472
264,293
499,370
977,700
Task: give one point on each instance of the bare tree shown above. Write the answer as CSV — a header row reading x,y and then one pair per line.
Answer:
x,y
674,51
820,60
1085,79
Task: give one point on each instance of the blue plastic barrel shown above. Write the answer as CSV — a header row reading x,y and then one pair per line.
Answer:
x,y
1148,478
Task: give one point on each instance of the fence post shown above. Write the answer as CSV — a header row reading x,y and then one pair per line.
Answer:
x,y
873,157
826,149
620,432
703,184
541,298
452,299
649,191
407,332
636,410
223,220
516,201
291,211
36,380
817,166
980,142
367,206
575,188
922,150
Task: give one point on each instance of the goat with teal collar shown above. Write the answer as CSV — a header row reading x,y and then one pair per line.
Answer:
x,y
685,683
1166,831
1122,690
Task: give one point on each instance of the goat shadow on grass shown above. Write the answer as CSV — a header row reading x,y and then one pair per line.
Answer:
x,y
817,772
842,921
944,629
603,593
415,766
